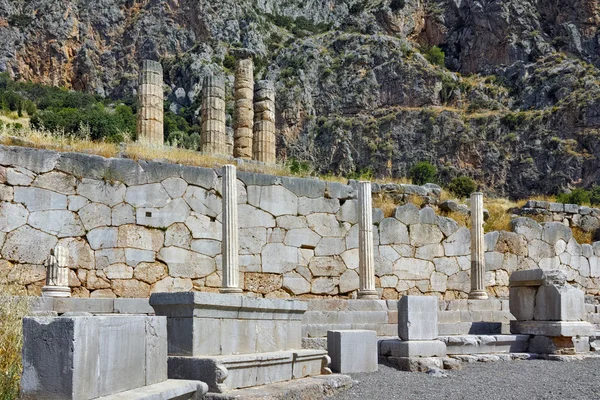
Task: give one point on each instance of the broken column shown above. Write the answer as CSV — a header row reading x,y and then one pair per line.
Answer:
x,y
57,274
150,127
263,146
213,136
418,348
366,256
244,109
229,243
551,310
477,249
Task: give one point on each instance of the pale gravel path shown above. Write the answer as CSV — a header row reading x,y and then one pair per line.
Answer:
x,y
503,380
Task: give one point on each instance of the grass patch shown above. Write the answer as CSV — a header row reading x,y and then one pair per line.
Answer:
x,y
386,203
12,311
582,236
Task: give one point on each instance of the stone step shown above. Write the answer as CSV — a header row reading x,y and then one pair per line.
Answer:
x,y
473,328
169,389
485,344
223,373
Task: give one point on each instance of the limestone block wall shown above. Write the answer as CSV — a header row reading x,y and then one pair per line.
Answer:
x,y
586,218
134,228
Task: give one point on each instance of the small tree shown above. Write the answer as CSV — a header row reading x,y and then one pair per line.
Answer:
x,y
595,195
462,186
436,56
423,172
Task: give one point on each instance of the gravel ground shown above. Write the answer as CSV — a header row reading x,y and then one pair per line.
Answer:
x,y
506,380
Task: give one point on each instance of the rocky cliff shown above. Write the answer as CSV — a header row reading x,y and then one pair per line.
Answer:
x,y
516,103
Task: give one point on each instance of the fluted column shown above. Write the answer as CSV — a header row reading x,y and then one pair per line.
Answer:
x,y
150,126
229,242
213,136
366,265
477,248
263,144
244,109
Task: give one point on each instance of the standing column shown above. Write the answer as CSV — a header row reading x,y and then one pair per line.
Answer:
x,y
150,127
229,242
213,136
366,266
263,145
244,109
477,249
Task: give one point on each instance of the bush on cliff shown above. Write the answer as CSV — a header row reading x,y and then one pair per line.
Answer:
x,y
423,172
462,186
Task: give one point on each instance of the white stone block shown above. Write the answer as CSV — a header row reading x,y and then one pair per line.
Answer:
x,y
413,348
352,351
417,318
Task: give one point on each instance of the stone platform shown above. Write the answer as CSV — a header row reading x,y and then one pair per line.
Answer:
x,y
485,344
170,389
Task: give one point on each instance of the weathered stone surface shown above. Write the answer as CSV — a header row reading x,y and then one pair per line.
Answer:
x,y
176,211
203,227
106,257
135,256
539,249
352,351
349,281
203,177
327,266
81,255
278,201
302,237
178,235
348,212
36,199
119,271
330,246
28,245
458,244
336,190
186,264
207,247
292,222
94,215
417,318
252,240
150,272
102,238
422,234
12,216
447,226
175,187
139,237
393,231
311,188
429,251
553,231
327,225
203,201
408,214
36,160
130,288
19,176
56,181
279,258
526,227
122,214
308,206
76,203
295,283
61,223
103,192
169,284
350,258
6,193
249,217
413,268
325,285
262,283
26,274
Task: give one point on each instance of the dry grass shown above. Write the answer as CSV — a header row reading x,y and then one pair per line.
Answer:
x,y
582,236
460,218
386,203
499,216
12,311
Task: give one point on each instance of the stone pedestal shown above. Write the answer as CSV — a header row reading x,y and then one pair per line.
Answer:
x,y
550,310
150,126
243,118
213,137
263,146
231,341
352,351
477,249
366,263
229,244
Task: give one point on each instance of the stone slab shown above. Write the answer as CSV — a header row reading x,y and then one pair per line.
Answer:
x,y
415,364
536,277
352,351
223,373
178,389
552,328
94,306
133,306
85,357
485,344
312,388
417,318
413,348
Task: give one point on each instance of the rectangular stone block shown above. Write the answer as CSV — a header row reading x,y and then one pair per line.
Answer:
x,y
417,318
552,328
559,303
416,348
133,306
485,344
352,351
94,306
537,277
91,356
522,302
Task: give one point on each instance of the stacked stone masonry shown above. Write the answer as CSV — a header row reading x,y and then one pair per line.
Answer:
x,y
150,99
135,228
213,137
264,122
244,108
583,217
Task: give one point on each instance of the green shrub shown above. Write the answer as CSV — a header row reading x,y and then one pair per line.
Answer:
x,y
462,186
577,196
595,195
229,62
436,56
423,172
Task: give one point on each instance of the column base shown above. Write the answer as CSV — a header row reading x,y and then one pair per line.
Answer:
x,y
478,295
230,290
368,294
56,291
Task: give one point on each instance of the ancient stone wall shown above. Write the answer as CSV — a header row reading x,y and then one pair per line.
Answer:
x,y
133,228
586,218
